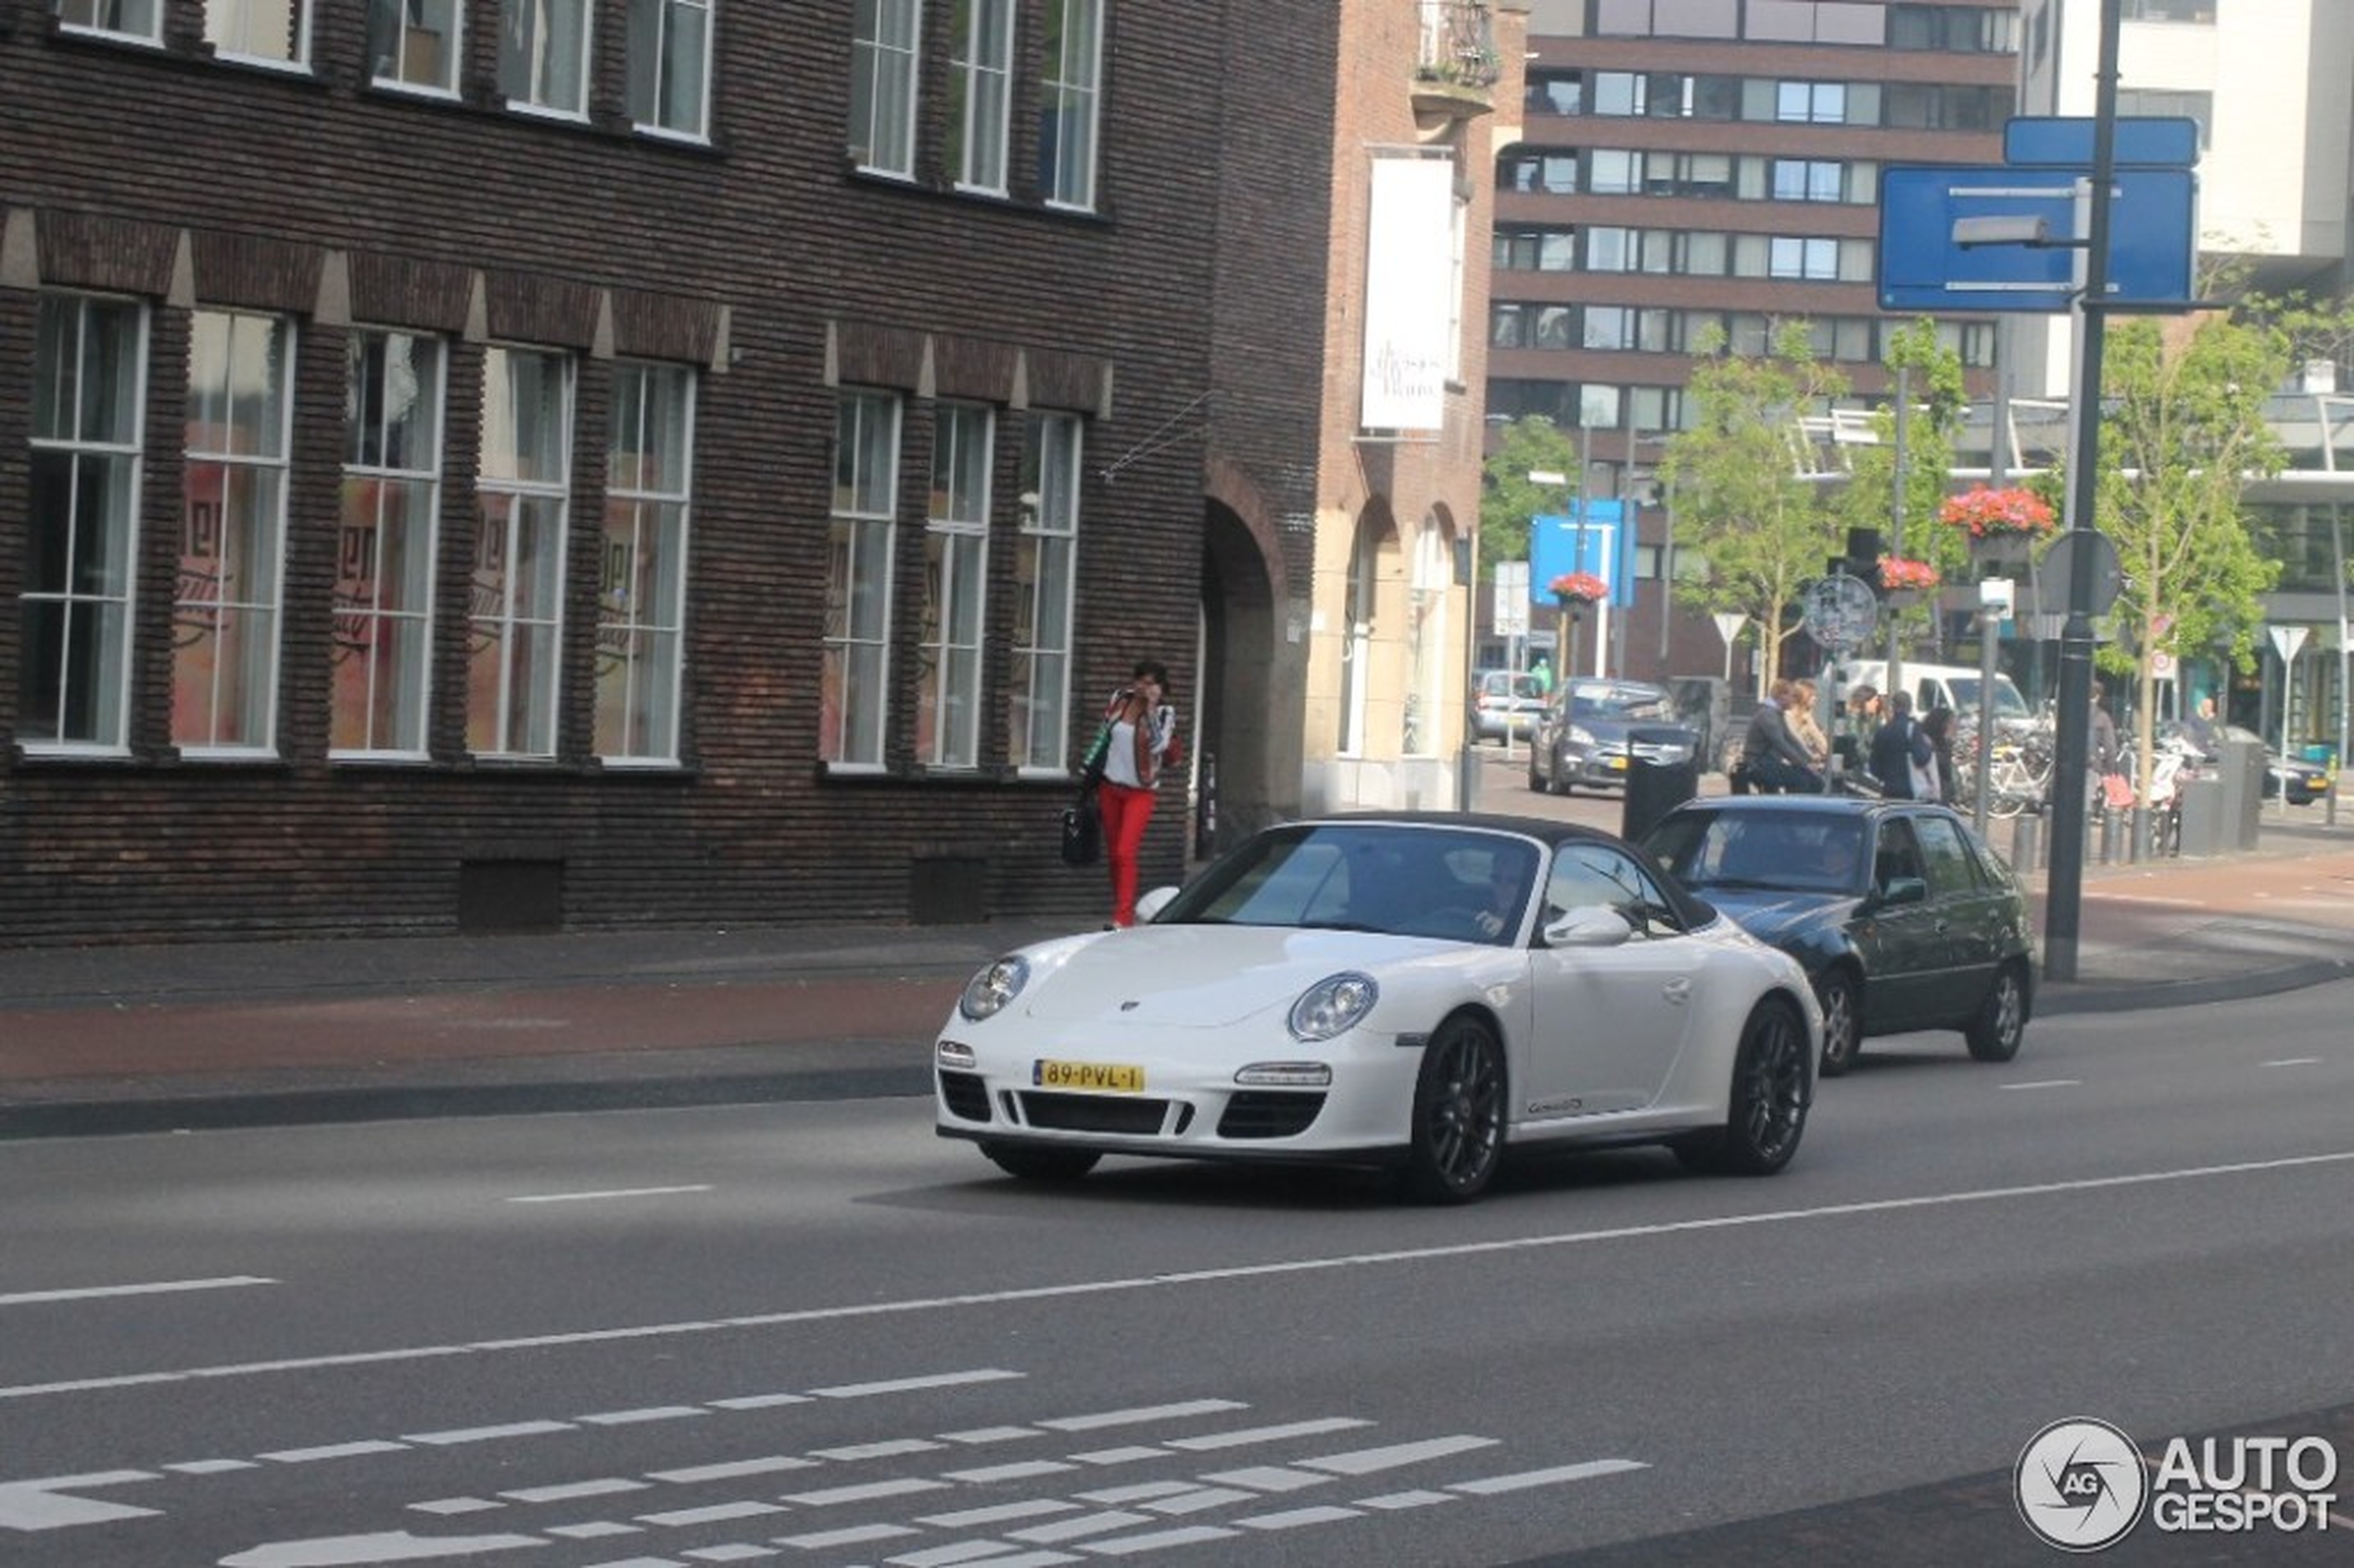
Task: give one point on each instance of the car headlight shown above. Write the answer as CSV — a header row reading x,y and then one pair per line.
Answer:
x,y
1333,1005
987,992
1578,735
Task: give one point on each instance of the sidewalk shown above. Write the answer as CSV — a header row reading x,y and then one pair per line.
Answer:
x,y
144,1038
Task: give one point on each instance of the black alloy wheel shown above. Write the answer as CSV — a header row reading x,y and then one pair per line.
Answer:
x,y
1459,1115
1771,1091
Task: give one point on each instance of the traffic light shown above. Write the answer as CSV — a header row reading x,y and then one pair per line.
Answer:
x,y
1862,560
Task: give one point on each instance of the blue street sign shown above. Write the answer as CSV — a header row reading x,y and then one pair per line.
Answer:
x,y
2065,142
1558,545
1923,267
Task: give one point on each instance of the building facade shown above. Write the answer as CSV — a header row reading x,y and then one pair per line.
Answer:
x,y
594,462
1690,168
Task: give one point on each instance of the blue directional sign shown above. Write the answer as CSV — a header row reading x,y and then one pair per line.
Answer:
x,y
1558,545
1924,267
2142,140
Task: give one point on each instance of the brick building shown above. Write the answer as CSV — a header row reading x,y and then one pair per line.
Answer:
x,y
610,461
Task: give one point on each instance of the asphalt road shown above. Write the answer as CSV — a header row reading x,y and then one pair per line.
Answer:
x,y
812,1332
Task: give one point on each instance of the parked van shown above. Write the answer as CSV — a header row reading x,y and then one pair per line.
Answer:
x,y
1935,686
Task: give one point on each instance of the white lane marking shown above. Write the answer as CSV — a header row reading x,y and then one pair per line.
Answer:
x,y
857,1535
981,1434
916,1384
889,1448
2045,1084
1142,1414
595,1530
154,1287
1365,1462
864,1491
1268,1478
2294,1061
949,1556
1029,1469
1131,1454
997,1514
452,1508
1243,1436
572,1491
1489,1485
1079,1289
390,1545
43,1504
1392,1501
1161,1540
1199,1500
1292,1519
734,1470
488,1433
712,1513
1098,1524
631,1418
209,1467
334,1451
759,1401
614,1193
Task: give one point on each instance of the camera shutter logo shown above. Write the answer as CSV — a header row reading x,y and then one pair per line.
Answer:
x,y
2081,1484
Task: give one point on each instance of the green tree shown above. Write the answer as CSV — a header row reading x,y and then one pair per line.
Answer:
x,y
1509,500
1932,377
1741,501
2183,431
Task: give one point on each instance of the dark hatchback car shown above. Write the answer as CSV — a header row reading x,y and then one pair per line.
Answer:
x,y
1593,730
1903,918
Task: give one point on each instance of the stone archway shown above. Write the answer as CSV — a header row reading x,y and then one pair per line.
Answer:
x,y
1253,670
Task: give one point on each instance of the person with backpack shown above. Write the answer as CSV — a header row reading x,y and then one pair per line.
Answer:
x,y
1898,746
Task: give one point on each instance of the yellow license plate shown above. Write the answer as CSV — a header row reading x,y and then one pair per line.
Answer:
x,y
1618,762
1101,1077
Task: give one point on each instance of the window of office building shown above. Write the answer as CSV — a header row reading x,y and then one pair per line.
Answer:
x,y
1539,169
1526,249
1518,324
1046,573
415,43
2201,11
1960,30
1706,175
1069,103
271,32
543,55
1811,103
670,66
1802,179
642,583
882,86
1814,21
137,21
1554,92
81,522
955,572
863,533
387,542
981,72
1667,19
525,494
233,527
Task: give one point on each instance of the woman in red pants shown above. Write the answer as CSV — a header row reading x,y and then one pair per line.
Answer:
x,y
1143,728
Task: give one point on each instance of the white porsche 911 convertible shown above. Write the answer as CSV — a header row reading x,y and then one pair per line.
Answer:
x,y
1417,991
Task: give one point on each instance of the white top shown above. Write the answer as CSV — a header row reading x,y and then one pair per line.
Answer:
x,y
1119,761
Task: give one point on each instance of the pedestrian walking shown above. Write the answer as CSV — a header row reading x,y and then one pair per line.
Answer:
x,y
1143,731
1900,752
1938,725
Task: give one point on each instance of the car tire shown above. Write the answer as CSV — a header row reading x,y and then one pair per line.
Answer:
x,y
1843,1022
1995,1033
1457,1139
1027,1163
1771,1092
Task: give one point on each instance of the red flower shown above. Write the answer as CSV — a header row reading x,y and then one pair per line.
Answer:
x,y
1895,571
1985,512
1582,586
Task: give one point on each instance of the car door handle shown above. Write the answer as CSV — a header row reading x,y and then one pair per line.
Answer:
x,y
1677,991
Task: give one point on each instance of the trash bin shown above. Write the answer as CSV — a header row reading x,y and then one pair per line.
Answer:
x,y
1654,789
2202,808
2240,765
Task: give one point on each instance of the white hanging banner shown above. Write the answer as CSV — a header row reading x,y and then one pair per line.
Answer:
x,y
1409,276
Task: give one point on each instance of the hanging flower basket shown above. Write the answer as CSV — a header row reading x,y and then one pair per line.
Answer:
x,y
1898,574
1578,587
1998,514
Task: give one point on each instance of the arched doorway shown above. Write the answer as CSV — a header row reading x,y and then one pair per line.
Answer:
x,y
1252,676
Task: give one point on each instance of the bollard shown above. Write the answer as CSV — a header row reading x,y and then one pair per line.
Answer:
x,y
2110,835
2023,842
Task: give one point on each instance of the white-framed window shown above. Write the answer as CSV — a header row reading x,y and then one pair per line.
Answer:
x,y
414,44
232,529
981,93
270,31
517,615
641,588
1046,576
1069,102
862,540
543,55
136,21
388,540
882,86
956,574
82,525
670,66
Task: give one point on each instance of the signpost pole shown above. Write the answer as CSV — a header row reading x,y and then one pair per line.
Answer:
x,y
2064,889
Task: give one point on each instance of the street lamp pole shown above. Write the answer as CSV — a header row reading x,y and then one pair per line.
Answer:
x,y
2064,889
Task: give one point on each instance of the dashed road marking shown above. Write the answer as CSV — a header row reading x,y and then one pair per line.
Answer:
x,y
154,1287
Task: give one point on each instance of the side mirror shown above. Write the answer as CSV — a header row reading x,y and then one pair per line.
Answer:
x,y
1904,889
1154,903
1591,925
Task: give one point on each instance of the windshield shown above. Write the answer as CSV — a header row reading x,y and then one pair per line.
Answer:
x,y
2008,703
1788,852
1463,884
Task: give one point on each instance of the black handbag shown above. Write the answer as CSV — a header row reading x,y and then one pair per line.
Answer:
x,y
1083,830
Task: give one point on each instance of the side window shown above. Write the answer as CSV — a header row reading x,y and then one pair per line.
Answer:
x,y
670,64
272,31
882,86
1897,855
414,44
1952,868
1601,876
